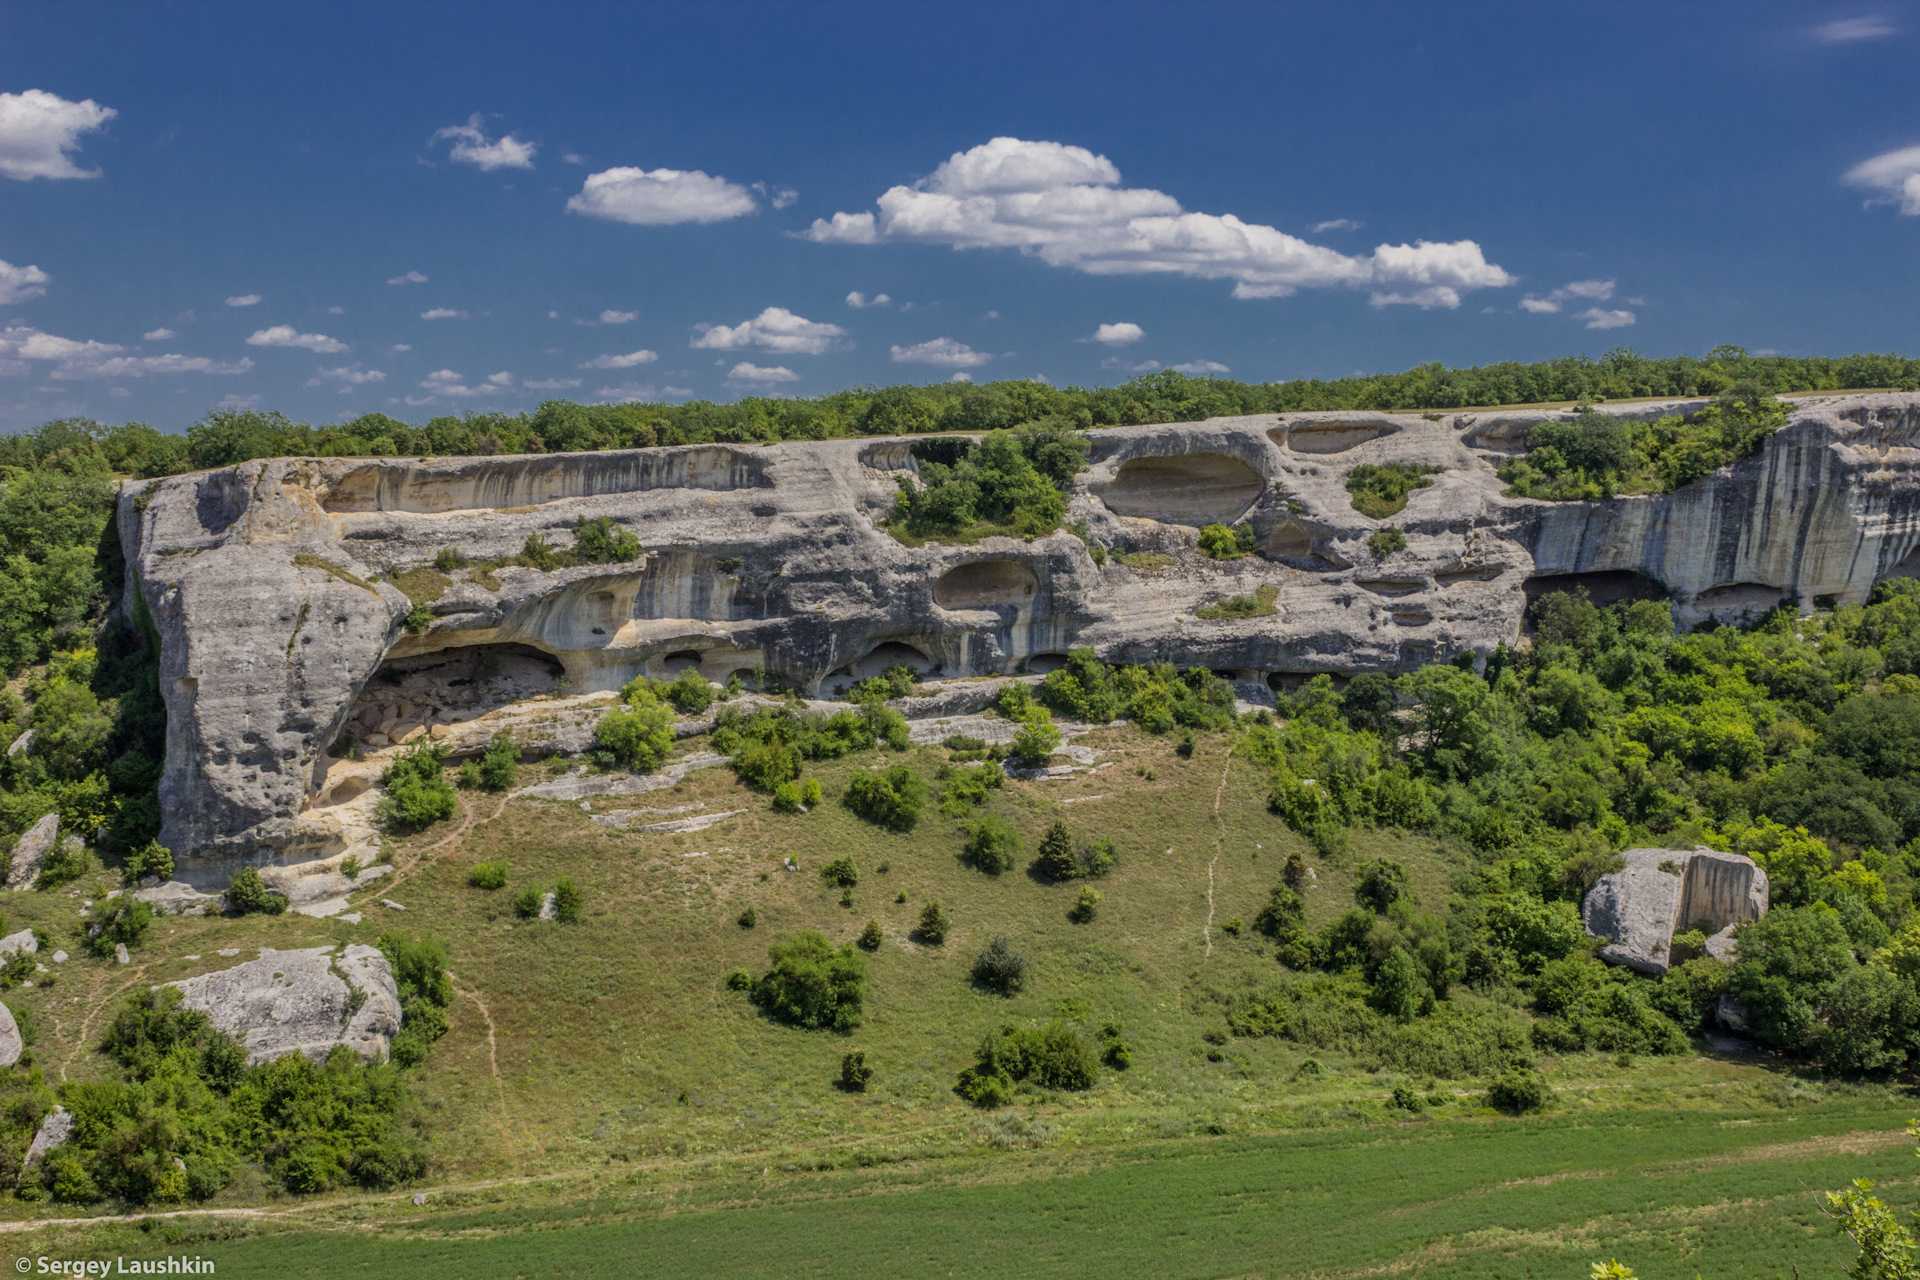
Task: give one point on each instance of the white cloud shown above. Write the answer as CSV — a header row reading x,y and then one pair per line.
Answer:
x,y
991,315
572,157
40,131
1607,318
860,301
400,347
1065,205
237,401
962,376
443,313
1130,366
627,392
1335,224
661,197
408,277
1854,30
778,197
1200,368
550,384
157,335
20,284
75,359
1551,303
285,335
244,300
336,310
472,146
1895,175
948,353
746,372
445,382
627,361
346,377
774,329
1120,334
611,316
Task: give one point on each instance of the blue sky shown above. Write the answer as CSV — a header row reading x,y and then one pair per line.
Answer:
x,y
640,200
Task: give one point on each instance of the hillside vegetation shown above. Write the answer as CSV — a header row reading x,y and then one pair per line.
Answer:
x,y
1597,456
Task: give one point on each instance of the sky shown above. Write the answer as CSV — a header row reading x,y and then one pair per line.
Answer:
x,y
422,209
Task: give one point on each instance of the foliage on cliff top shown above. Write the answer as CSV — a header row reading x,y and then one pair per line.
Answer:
x,y
1009,483
1597,455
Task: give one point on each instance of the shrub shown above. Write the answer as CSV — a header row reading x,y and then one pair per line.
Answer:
x,y
890,799
526,904
1218,542
425,988
748,919
1518,1092
247,894
538,553
150,859
967,787
418,619
1036,738
1086,906
635,735
488,875
1114,1049
1000,968
870,937
689,693
66,862
993,846
1261,603
601,541
855,1074
417,791
448,560
812,983
566,902
797,796
1050,1057
739,980
1405,1099
497,766
123,920
1386,542
1381,883
1380,489
841,873
933,925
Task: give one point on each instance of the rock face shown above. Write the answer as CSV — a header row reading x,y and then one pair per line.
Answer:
x,y
1661,892
12,1045
55,1128
305,1001
270,584
31,850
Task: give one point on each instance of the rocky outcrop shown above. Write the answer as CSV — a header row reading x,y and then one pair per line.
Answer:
x,y
307,1001
1660,892
31,850
272,585
12,1043
55,1128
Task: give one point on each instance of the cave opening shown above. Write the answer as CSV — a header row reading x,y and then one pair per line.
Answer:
x,y
448,686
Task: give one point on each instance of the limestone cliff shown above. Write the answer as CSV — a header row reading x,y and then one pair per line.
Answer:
x,y
282,634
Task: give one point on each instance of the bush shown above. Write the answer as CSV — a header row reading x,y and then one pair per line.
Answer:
x,y
933,925
418,619
635,735
855,1074
993,846
488,875
796,796
739,980
812,983
1518,1092
841,873
247,894
748,919
1380,490
1086,906
1386,542
891,799
419,967
1000,968
417,791
1219,542
1036,738
497,766
566,902
1050,1057
870,937
66,862
526,904
1381,883
123,920
1060,859
689,693
150,859
601,541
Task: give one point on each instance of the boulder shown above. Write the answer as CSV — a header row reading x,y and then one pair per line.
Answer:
x,y
55,1128
12,1045
305,1001
1660,892
31,850
20,941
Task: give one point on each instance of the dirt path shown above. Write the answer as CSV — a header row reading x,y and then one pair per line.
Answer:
x,y
468,816
1219,844
82,1041
493,1056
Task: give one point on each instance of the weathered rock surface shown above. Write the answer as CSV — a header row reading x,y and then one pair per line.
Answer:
x,y
55,1128
281,633
1661,892
12,1045
30,852
23,940
306,1001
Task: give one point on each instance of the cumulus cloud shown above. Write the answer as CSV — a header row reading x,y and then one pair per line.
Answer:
x,y
1130,366
40,131
1607,317
162,334
1857,30
1065,205
336,310
445,382
1200,368
1335,224
661,197
73,359
948,353
20,284
399,347
285,335
1122,334
860,301
550,384
472,146
627,361
1551,303
408,277
610,316
778,197
443,313
1893,177
346,377
761,374
628,391
962,376
244,300
774,329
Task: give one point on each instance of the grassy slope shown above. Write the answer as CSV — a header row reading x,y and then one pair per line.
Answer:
x,y
607,1063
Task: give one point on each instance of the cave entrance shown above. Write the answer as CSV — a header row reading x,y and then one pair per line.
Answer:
x,y
448,686
1190,488
680,660
1039,664
889,654
1608,586
984,584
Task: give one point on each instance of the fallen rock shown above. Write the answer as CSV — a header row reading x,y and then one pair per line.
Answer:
x,y
59,957
55,1128
20,744
120,955
31,850
11,1043
21,941
549,906
1660,892
178,898
306,1001
391,905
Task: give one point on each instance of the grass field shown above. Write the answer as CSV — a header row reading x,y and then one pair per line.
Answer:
x,y
603,1105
